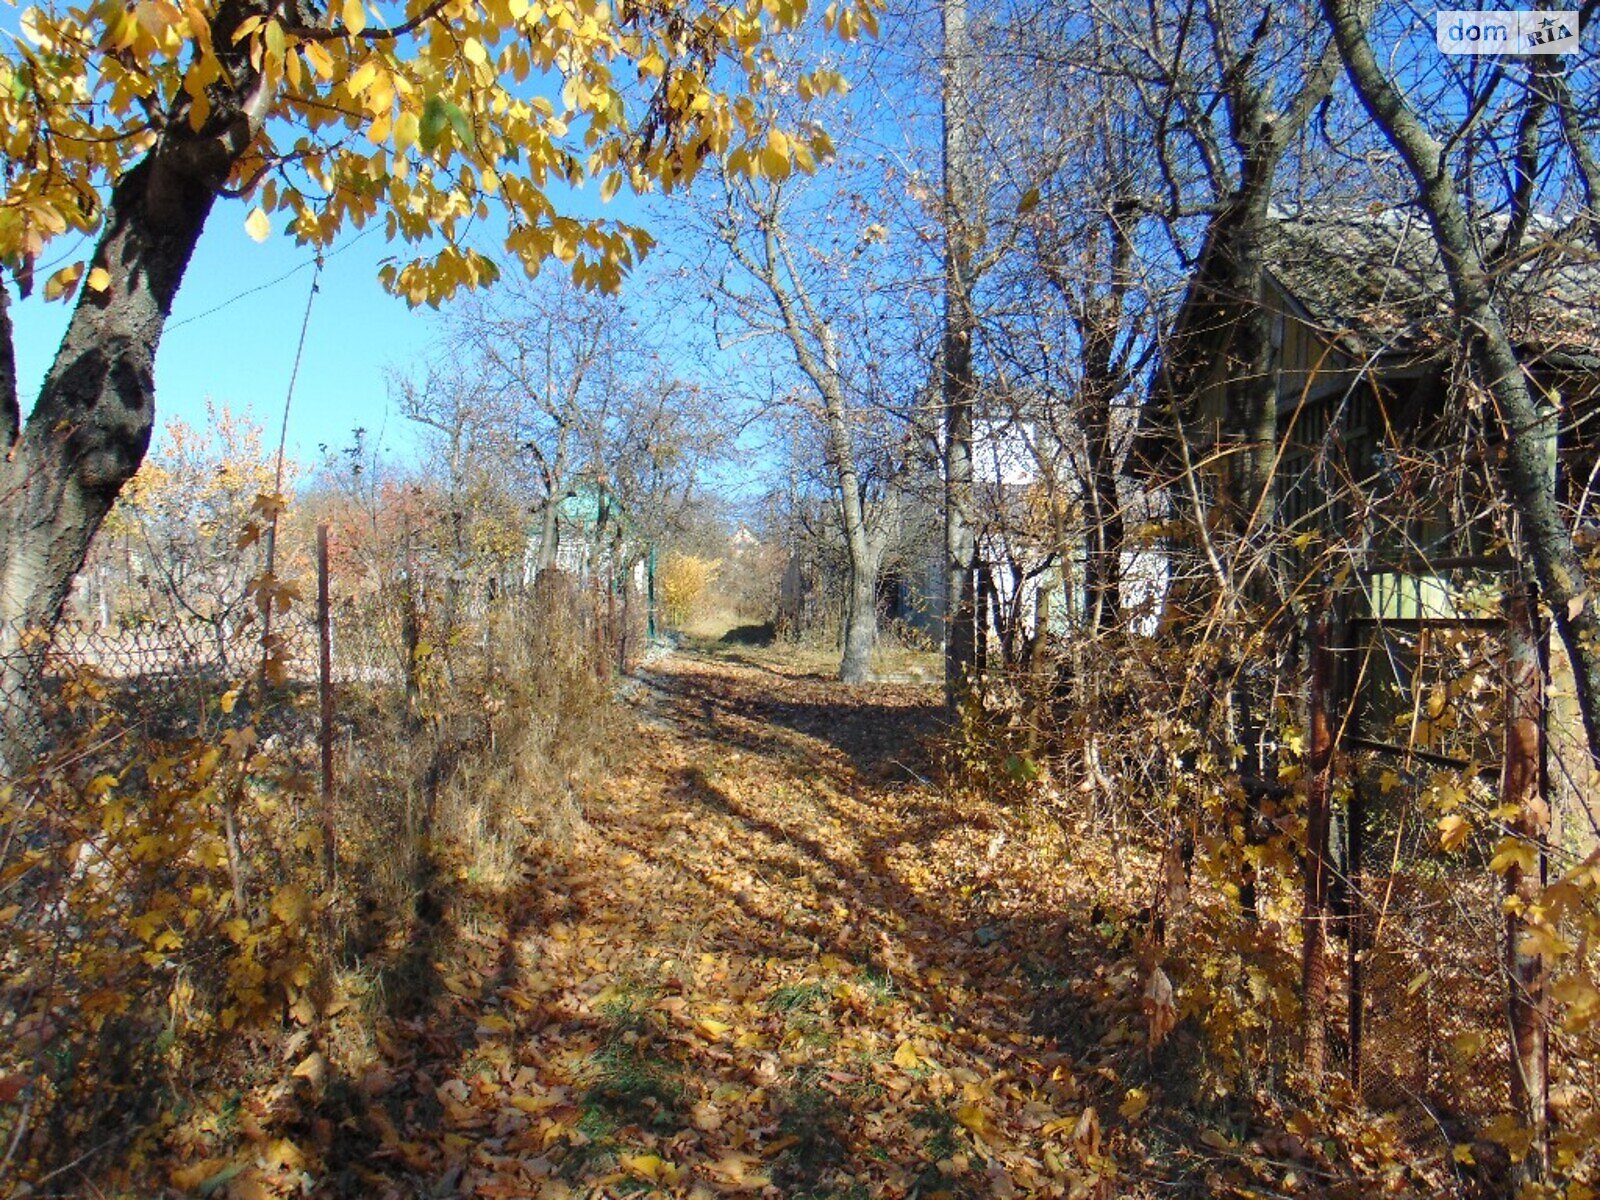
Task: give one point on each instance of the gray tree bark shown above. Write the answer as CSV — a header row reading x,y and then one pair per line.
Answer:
x,y
863,544
1261,134
806,329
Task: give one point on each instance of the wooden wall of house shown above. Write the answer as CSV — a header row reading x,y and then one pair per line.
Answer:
x,y
1308,364
1308,368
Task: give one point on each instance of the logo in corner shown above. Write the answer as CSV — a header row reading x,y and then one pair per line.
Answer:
x,y
1506,31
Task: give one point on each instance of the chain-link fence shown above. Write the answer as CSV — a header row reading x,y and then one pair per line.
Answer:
x,y
1434,831
1421,995
159,676
166,678
1424,979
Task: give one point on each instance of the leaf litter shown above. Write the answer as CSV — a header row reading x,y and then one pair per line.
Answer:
x,y
773,961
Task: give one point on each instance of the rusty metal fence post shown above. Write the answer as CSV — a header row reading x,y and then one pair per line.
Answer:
x,y
325,690
1355,927
1317,872
1522,795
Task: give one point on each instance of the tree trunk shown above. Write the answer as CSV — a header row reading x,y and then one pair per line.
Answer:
x,y
816,353
958,386
550,519
861,588
91,426
1100,318
860,622
549,535
1103,570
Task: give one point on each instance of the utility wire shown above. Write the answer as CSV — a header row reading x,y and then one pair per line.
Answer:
x,y
294,372
316,262
269,575
260,287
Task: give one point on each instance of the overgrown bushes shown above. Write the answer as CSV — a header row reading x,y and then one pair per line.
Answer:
x,y
1186,762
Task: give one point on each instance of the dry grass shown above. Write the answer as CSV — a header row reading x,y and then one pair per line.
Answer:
x,y
496,757
441,805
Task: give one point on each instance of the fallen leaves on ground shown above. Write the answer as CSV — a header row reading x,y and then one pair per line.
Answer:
x,y
777,962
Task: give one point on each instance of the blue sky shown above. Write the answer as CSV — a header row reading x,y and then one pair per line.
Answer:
x,y
235,345
232,336
237,319
236,322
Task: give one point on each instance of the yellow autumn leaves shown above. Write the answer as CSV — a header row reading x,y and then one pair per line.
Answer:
x,y
432,116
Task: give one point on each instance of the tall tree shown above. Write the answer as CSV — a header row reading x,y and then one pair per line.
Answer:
x,y
469,430
1079,299
1456,158
556,355
1470,269
957,378
1227,93
539,386
796,277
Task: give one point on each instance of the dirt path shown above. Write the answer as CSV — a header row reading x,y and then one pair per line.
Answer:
x,y
776,962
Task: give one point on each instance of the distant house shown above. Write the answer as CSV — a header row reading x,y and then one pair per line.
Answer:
x,y
594,537
1024,578
913,587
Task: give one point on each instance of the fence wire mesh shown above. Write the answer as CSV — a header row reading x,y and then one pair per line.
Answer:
x,y
1419,1007
164,678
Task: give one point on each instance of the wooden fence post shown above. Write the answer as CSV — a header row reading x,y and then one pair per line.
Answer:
x,y
1316,871
613,649
325,686
1522,794
411,634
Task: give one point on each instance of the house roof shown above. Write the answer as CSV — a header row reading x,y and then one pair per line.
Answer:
x,y
1372,282
1376,282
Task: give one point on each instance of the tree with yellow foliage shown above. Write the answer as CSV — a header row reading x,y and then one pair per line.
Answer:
x,y
685,580
128,121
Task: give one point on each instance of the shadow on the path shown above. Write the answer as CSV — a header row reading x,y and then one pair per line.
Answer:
x,y
506,1071
882,729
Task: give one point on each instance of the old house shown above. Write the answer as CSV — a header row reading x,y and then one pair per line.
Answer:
x,y
1326,444
1383,457
1367,367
